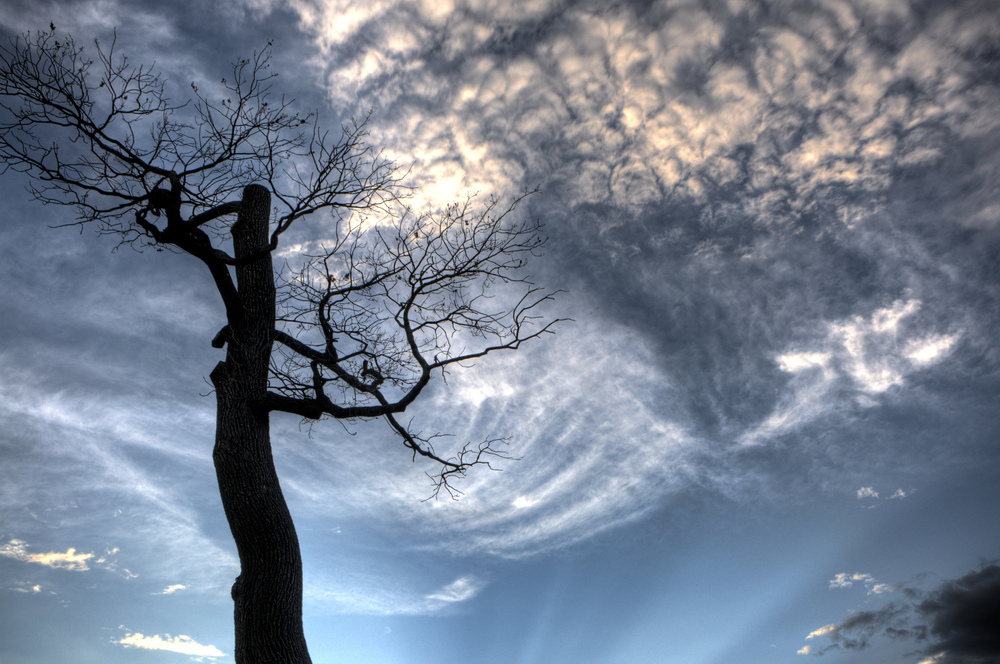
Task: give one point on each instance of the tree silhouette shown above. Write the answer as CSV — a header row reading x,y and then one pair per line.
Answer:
x,y
355,331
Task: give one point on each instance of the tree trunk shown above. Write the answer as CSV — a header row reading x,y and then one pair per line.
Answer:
x,y
268,592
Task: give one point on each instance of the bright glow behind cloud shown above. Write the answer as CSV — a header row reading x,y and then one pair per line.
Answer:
x,y
632,107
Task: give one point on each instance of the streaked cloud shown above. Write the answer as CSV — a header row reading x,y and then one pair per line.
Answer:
x,y
822,631
70,560
387,593
181,644
865,352
459,590
170,590
104,441
630,107
521,502
589,416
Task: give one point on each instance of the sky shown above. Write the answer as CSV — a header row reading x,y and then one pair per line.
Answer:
x,y
771,433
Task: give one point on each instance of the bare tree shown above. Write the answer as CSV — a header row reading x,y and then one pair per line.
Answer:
x,y
355,331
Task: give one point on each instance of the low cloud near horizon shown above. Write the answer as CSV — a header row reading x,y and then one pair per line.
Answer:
x,y
956,623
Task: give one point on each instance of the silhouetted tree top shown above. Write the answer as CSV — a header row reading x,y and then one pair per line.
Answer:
x,y
362,325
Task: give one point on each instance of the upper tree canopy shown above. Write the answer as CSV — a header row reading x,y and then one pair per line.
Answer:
x,y
363,324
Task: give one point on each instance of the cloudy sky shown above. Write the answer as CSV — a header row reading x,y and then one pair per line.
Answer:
x,y
771,433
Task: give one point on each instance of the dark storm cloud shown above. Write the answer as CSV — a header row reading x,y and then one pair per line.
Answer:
x,y
957,623
190,42
857,630
964,618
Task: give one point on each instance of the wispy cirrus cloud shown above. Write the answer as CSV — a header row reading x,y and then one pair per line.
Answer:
x,y
597,450
109,439
865,353
399,593
460,590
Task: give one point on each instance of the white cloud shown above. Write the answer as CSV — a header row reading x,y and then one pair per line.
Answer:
x,y
934,659
586,417
867,492
822,631
598,450
618,107
795,362
804,650
871,357
845,580
461,589
397,589
70,560
158,522
900,494
23,587
523,503
614,107
865,351
170,590
182,644
929,350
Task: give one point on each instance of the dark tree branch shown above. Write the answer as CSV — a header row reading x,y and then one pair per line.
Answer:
x,y
393,298
397,298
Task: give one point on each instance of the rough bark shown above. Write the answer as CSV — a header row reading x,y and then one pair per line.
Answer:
x,y
268,592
